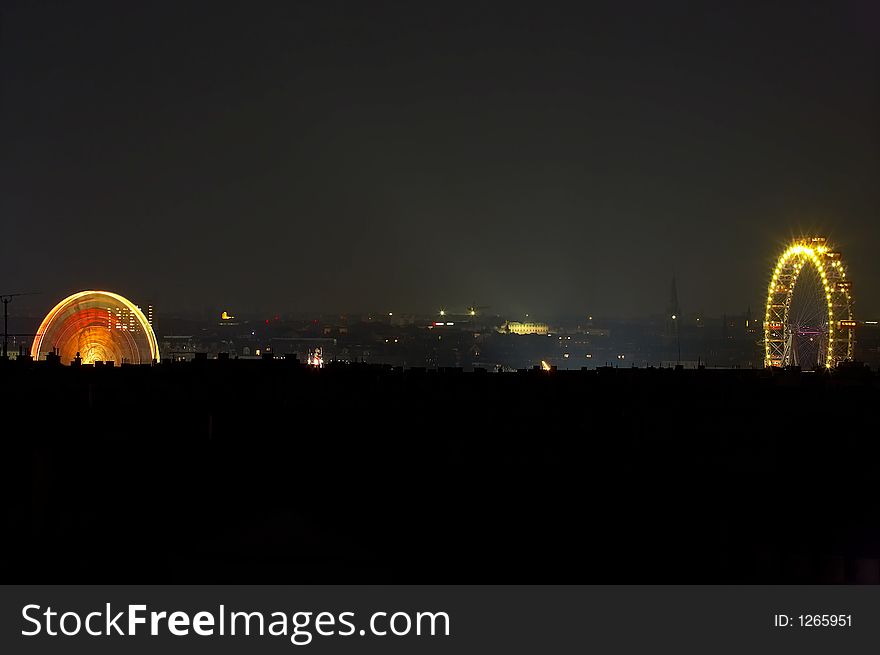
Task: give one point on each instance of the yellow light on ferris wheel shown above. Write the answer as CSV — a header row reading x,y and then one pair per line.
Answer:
x,y
817,252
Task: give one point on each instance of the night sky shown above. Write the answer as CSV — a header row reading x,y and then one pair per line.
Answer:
x,y
538,157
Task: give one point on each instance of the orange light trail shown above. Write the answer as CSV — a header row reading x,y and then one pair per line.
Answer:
x,y
100,326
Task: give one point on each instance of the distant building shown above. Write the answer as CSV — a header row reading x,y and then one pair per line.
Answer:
x,y
177,347
516,327
227,319
739,326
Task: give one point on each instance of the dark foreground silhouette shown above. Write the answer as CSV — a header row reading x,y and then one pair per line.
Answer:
x,y
267,471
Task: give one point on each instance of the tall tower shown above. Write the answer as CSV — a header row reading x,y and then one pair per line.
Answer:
x,y
673,324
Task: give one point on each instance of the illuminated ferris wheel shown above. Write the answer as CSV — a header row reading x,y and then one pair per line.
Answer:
x,y
96,326
809,320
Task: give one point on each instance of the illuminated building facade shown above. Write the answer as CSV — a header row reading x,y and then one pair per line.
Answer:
x,y
516,327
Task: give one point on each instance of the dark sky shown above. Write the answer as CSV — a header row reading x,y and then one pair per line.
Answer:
x,y
346,156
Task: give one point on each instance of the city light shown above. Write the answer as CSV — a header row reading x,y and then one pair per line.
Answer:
x,y
316,358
